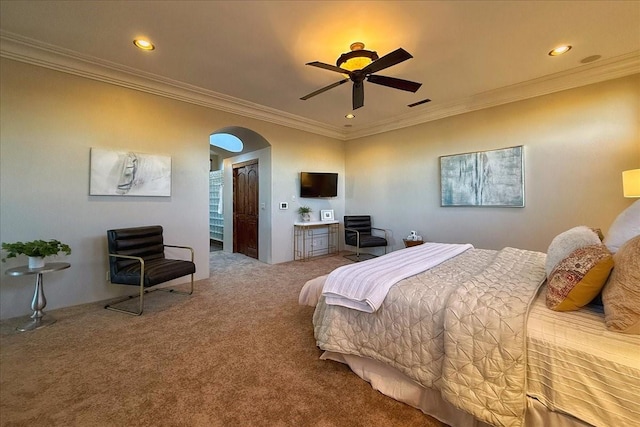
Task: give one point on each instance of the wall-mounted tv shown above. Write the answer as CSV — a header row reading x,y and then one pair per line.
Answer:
x,y
318,184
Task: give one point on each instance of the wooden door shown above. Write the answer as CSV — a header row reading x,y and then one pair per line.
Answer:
x,y
245,208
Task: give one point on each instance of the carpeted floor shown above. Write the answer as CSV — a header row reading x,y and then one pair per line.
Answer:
x,y
239,352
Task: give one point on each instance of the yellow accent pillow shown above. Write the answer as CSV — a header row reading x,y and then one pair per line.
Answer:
x,y
621,294
578,278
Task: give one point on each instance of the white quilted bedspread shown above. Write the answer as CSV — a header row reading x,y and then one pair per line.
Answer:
x,y
458,328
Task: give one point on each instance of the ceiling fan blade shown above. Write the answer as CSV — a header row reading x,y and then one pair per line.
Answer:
x,y
397,56
324,89
407,85
358,95
329,67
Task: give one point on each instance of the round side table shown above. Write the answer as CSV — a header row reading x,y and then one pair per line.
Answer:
x,y
39,301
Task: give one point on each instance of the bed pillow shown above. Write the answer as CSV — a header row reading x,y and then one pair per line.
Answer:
x,y
621,294
578,278
625,227
565,243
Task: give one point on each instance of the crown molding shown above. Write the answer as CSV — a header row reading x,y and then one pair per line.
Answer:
x,y
18,48
600,71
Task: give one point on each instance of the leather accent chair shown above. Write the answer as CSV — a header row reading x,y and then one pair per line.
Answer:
x,y
358,232
137,258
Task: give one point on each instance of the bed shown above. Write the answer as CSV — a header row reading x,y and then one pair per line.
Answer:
x,y
472,342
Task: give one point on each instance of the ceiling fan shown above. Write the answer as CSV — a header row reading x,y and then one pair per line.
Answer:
x,y
354,65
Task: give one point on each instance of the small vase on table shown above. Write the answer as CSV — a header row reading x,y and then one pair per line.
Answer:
x,y
36,262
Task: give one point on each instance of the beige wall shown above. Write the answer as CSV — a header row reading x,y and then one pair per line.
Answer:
x,y
576,142
49,122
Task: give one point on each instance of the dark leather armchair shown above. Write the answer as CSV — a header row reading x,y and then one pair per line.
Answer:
x,y
358,232
136,257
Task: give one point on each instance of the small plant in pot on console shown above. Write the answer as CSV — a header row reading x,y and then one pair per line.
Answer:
x,y
305,213
36,250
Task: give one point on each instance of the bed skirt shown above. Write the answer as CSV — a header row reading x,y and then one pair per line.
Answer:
x,y
393,383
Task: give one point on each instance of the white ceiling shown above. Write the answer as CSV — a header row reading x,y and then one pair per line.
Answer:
x,y
249,56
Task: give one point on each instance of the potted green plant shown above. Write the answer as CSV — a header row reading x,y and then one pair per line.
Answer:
x,y
36,250
305,213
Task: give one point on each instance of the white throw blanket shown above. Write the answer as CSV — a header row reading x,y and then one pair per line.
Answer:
x,y
364,285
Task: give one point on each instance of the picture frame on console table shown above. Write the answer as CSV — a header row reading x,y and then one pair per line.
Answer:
x,y
492,178
326,215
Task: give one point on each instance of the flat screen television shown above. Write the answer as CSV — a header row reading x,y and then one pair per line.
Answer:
x,y
318,184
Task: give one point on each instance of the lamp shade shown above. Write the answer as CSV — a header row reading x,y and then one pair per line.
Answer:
x,y
357,59
631,183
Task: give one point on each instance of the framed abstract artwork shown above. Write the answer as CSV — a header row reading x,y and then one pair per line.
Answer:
x,y
127,173
483,178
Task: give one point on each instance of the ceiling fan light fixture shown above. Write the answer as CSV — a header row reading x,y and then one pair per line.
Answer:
x,y
357,59
359,76
560,50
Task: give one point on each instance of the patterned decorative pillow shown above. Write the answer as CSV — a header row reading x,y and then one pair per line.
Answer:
x,y
621,294
565,243
578,278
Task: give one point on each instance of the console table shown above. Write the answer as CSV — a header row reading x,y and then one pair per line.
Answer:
x,y
315,238
39,301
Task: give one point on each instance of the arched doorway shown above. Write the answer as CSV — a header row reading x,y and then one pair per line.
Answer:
x,y
224,157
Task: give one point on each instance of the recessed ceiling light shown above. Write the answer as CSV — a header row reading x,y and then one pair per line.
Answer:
x,y
560,50
349,116
143,44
